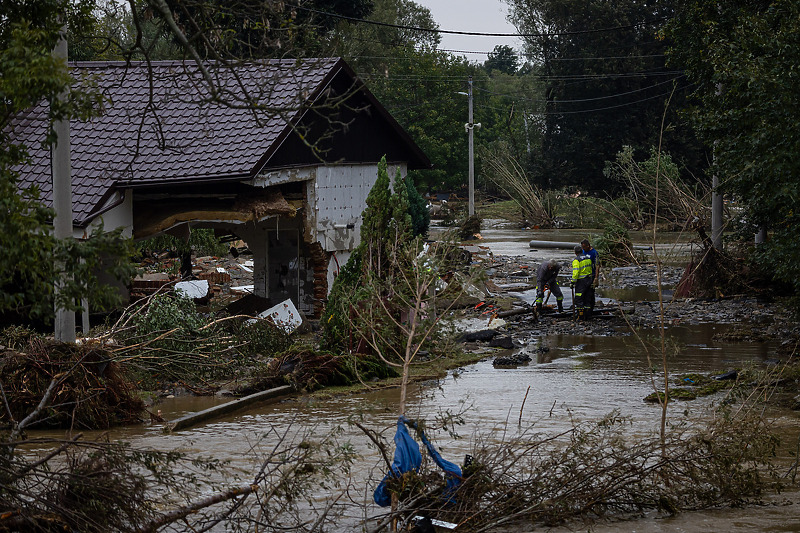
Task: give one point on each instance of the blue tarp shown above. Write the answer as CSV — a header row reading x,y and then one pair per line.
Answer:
x,y
407,457
452,472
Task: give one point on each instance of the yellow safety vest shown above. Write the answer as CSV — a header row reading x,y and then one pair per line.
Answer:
x,y
581,267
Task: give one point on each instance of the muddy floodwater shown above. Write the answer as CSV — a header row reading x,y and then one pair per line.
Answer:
x,y
578,379
569,379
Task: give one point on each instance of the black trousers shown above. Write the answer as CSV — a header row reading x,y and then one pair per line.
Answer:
x,y
589,297
581,296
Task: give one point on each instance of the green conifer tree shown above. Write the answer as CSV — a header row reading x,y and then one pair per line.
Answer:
x,y
400,226
386,229
376,219
418,209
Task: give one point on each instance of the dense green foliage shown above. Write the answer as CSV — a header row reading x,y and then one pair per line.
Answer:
x,y
742,58
29,74
418,209
607,86
502,58
196,29
424,88
387,225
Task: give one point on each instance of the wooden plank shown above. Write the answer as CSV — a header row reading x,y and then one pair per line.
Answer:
x,y
193,419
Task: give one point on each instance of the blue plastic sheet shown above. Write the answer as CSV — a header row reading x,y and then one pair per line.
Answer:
x,y
407,457
452,472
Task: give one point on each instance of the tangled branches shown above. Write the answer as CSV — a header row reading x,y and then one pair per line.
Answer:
x,y
594,471
99,486
87,388
714,273
164,338
308,370
655,188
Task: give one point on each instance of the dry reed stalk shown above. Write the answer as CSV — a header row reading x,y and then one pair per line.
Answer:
x,y
506,172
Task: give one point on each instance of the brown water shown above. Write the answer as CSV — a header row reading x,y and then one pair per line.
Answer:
x,y
576,379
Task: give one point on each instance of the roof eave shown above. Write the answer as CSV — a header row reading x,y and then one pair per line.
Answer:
x,y
341,66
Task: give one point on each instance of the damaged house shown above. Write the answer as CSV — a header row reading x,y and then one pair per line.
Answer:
x,y
280,153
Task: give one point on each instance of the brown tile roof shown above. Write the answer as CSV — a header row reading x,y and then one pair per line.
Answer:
x,y
184,133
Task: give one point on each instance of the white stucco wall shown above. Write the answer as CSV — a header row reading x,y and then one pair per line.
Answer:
x,y
120,216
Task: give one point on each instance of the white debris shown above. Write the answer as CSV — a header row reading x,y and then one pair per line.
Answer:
x,y
284,315
243,289
193,289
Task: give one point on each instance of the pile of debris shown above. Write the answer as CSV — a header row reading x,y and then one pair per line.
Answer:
x,y
211,277
87,388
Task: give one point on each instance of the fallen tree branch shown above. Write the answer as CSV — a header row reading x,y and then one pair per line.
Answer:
x,y
61,449
44,402
381,446
178,514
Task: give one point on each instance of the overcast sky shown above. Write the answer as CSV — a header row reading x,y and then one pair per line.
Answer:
x,y
481,16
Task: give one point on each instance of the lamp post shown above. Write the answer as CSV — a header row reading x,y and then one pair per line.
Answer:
x,y
470,127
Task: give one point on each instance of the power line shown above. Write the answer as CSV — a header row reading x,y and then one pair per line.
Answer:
x,y
585,99
603,58
404,57
409,77
564,77
478,34
595,110
402,109
614,106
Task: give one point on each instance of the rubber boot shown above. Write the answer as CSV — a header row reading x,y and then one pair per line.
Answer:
x,y
587,313
539,308
560,306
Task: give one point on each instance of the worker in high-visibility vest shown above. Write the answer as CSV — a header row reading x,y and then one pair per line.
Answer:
x,y
581,281
595,257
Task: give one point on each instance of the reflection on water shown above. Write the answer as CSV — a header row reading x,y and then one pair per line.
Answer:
x,y
634,294
570,379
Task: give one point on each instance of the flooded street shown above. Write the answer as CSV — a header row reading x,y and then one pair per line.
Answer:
x,y
570,379
580,379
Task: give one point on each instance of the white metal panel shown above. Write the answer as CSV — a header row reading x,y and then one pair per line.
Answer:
x,y
338,197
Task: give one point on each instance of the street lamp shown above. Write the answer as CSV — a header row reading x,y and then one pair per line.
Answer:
x,y
470,127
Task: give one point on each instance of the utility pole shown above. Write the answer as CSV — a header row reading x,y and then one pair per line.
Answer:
x,y
716,202
470,128
62,197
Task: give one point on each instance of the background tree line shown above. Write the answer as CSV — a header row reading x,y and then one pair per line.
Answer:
x,y
712,85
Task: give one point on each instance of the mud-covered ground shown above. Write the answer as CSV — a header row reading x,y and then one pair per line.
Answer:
x,y
753,319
